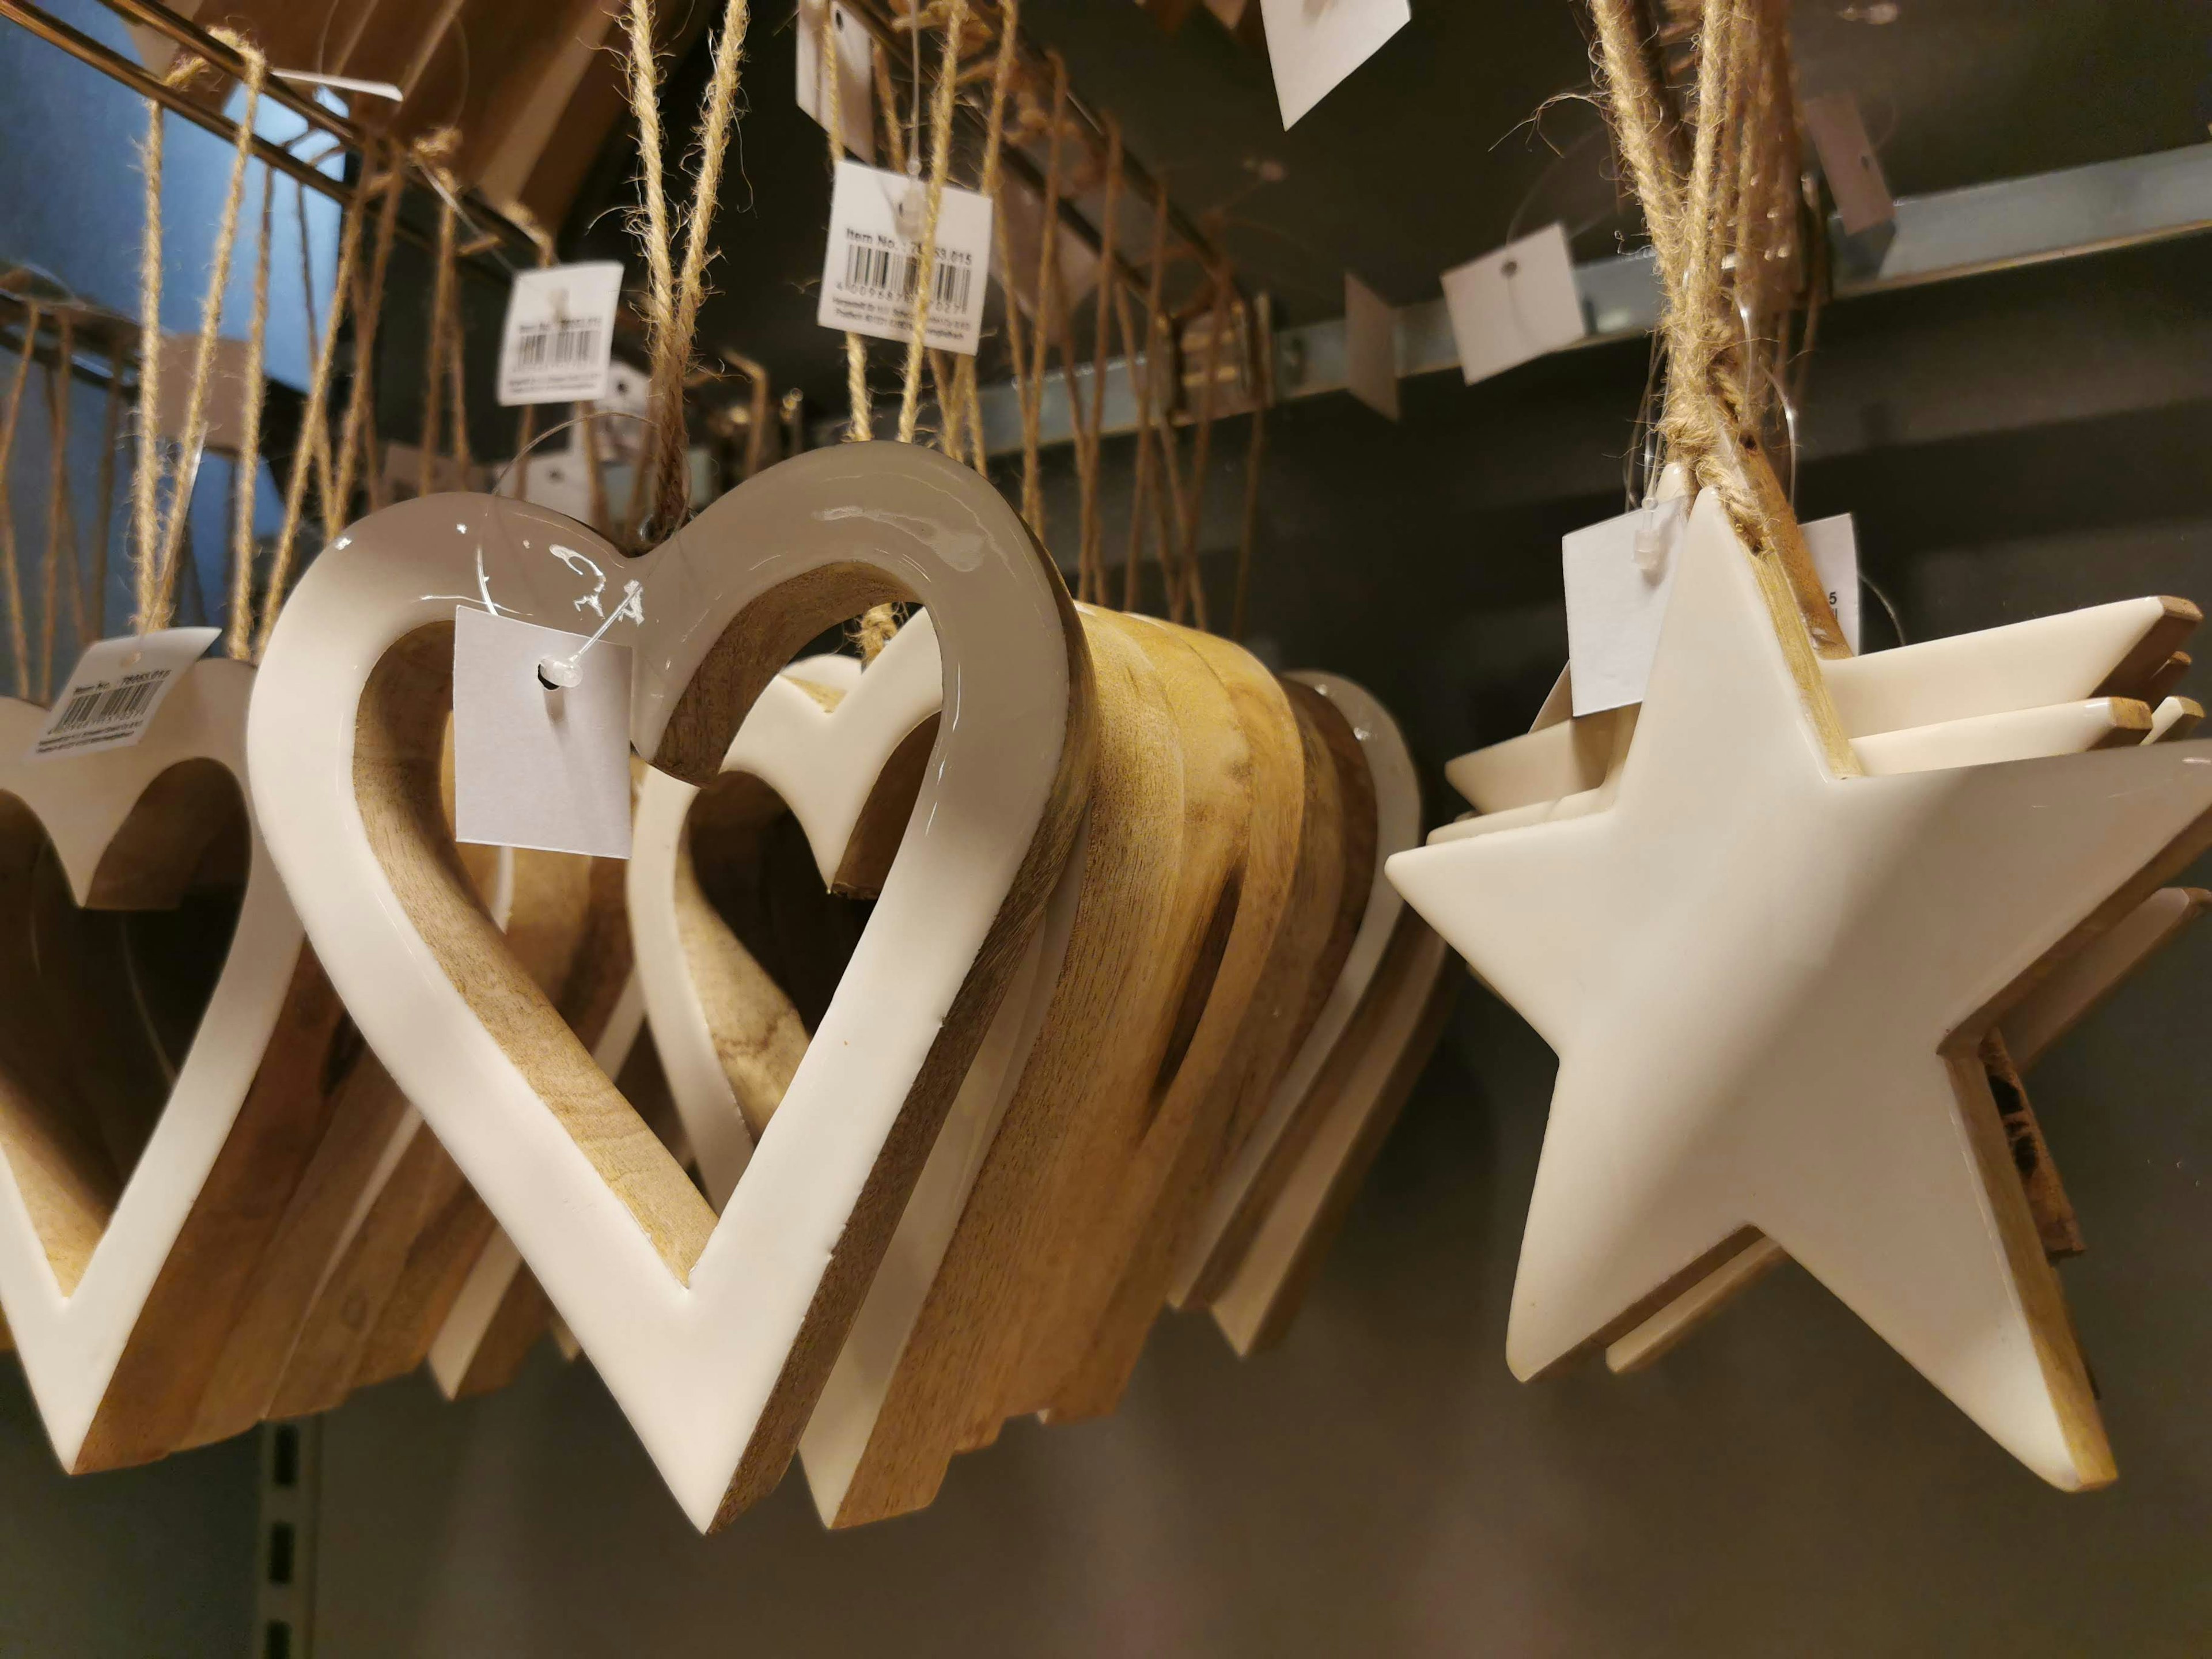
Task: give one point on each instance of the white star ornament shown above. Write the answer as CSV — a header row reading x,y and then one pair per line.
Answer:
x,y
1766,983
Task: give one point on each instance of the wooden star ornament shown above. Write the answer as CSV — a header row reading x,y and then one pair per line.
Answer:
x,y
1767,980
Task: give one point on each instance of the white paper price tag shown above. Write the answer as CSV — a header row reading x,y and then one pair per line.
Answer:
x,y
1371,348
869,274
1618,575
117,687
1313,47
856,114
1515,304
1835,545
534,765
560,333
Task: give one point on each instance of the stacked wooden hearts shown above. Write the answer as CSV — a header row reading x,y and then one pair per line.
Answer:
x,y
1795,927
218,1207
1128,1010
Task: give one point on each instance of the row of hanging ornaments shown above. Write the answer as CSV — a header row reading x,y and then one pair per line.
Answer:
x,y
1138,994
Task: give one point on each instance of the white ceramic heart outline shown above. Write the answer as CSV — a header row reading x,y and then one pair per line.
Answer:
x,y
821,762
697,1365
1398,827
71,1345
468,1321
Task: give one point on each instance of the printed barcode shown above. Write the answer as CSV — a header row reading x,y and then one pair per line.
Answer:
x,y
874,270
101,705
556,344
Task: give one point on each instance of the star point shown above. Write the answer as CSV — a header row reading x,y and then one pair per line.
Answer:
x,y
1760,978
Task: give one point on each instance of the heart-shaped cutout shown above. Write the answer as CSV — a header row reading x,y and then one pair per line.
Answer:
x,y
132,1223
713,1337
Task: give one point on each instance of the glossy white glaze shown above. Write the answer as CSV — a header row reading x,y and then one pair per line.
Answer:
x,y
691,1365
1749,968
69,1345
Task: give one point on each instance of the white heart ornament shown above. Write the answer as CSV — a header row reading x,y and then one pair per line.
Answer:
x,y
119,1302
715,1337
823,763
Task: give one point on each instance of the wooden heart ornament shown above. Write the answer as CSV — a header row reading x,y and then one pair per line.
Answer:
x,y
714,1336
136,1205
828,753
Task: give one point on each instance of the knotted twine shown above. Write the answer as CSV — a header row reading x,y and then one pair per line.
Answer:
x,y
159,538
673,296
1713,227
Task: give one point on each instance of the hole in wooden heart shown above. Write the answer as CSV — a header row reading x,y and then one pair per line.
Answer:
x,y
397,738
102,1002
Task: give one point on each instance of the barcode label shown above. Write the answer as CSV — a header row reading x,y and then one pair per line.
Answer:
x,y
872,277
871,269
558,345
116,689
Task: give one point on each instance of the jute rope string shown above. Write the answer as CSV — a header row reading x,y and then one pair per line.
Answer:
x,y
161,539
1142,366
857,425
238,632
91,602
1047,287
940,156
313,424
1703,394
18,636
61,519
1002,68
357,455
673,295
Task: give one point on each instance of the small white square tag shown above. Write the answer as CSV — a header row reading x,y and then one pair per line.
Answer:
x,y
117,687
1835,545
1371,348
560,333
535,766
856,112
1616,601
868,272
1314,44
1515,304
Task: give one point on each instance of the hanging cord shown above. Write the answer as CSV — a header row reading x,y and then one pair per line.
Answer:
x,y
18,636
673,299
238,636
1193,499
161,540
92,585
1093,555
1002,71
1255,453
858,428
61,518
1710,279
526,428
940,156
357,449
1047,287
326,484
1142,363
313,421
431,153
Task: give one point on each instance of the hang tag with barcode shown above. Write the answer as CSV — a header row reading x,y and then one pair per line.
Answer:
x,y
1835,545
1517,303
540,765
560,333
855,54
1619,575
117,687
870,273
